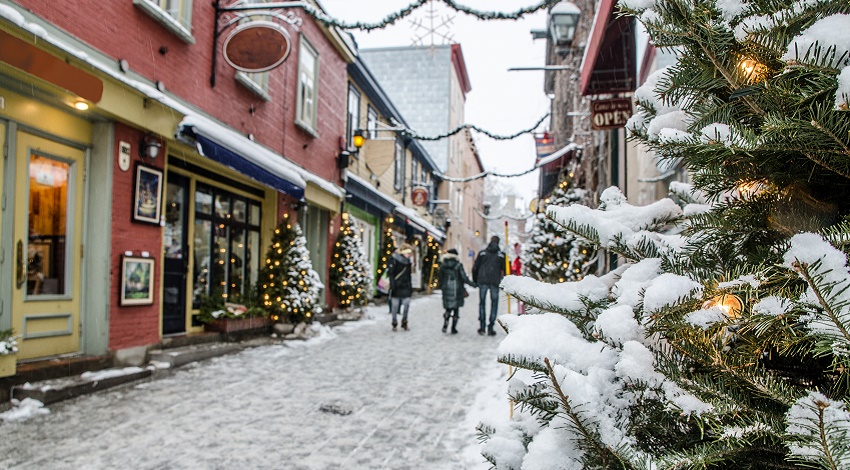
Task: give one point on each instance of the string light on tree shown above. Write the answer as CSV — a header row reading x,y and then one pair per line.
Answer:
x,y
297,294
351,274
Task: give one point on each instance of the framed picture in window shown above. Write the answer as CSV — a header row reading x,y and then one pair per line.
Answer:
x,y
147,197
136,280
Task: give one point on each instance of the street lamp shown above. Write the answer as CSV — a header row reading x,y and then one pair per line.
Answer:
x,y
359,138
563,19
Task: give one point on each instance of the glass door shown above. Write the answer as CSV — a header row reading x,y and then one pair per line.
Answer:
x,y
47,246
175,256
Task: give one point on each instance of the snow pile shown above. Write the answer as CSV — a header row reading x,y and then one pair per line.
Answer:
x,y
109,373
23,410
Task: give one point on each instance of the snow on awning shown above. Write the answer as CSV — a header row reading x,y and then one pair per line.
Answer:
x,y
415,219
249,164
250,158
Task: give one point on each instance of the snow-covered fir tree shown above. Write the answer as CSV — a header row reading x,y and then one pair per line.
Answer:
x,y
723,339
289,287
431,263
552,255
350,272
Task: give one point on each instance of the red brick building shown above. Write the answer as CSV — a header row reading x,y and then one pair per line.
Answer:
x,y
89,91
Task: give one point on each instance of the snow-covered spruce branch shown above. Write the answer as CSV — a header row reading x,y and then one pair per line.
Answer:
x,y
392,18
819,429
607,455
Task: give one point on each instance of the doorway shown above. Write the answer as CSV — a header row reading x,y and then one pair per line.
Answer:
x,y
176,258
47,246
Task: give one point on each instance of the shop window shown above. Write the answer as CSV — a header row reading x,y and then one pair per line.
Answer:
x,y
175,15
308,73
227,247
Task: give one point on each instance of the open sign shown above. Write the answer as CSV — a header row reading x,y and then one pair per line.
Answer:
x,y
610,114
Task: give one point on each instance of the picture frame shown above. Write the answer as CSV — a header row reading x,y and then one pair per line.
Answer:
x,y
137,276
147,195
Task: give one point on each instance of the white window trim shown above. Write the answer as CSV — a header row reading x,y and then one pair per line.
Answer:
x,y
310,127
166,20
255,87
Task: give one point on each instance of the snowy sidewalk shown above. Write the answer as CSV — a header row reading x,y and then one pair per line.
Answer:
x,y
358,397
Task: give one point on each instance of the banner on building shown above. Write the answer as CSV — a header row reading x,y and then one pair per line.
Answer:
x,y
610,114
545,144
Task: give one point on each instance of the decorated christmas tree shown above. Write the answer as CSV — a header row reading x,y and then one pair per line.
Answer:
x,y
350,272
288,285
387,249
431,264
552,255
723,338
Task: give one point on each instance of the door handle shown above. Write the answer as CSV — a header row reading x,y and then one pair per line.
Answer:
x,y
19,265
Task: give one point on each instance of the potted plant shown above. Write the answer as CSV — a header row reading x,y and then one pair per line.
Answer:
x,y
8,349
227,317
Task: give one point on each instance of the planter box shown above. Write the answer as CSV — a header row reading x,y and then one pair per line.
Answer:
x,y
8,365
230,325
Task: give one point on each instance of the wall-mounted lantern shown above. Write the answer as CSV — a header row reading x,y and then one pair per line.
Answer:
x,y
563,20
149,147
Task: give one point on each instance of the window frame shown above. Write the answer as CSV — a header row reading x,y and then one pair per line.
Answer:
x,y
371,121
352,116
181,26
398,166
304,46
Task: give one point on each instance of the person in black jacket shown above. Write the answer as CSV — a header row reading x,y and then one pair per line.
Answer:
x,y
487,272
452,279
400,286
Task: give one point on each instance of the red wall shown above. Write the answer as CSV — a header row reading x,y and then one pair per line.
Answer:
x,y
133,325
123,31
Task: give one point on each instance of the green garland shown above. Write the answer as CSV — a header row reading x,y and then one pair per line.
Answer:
x,y
329,21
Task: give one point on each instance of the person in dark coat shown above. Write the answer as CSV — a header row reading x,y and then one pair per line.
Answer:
x,y
400,286
487,272
452,279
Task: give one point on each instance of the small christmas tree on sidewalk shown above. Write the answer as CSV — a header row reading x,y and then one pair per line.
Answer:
x,y
289,287
551,255
351,272
387,249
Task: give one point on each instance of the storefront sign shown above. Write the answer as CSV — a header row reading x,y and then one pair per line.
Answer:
x,y
610,114
257,46
419,196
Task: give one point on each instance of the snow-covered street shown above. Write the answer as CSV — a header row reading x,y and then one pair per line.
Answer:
x,y
358,397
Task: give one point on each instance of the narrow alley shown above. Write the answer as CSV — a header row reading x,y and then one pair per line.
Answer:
x,y
358,396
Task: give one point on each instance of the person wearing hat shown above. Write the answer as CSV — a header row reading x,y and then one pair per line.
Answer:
x,y
452,279
400,286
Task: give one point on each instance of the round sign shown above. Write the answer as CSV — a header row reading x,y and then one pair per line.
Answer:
x,y
257,46
419,196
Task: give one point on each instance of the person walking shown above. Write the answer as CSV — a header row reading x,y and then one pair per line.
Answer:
x,y
452,279
487,272
400,286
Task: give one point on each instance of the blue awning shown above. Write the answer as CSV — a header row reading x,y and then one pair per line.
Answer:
x,y
217,152
364,196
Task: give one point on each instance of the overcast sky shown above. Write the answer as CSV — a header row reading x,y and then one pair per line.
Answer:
x,y
500,101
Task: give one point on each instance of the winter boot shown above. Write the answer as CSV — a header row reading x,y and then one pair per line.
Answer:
x,y
404,325
454,326
445,321
394,325
490,332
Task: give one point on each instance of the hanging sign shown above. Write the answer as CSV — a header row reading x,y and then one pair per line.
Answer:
x,y
257,46
610,114
419,196
544,144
